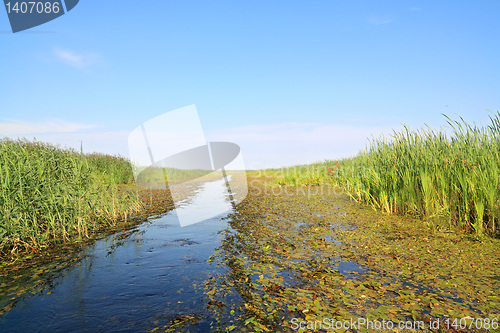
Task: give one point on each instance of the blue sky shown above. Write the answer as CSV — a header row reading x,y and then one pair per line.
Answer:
x,y
289,81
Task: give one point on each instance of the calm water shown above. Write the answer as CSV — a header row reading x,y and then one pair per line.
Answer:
x,y
129,282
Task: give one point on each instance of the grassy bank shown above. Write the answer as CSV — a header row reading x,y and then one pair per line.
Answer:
x,y
437,175
51,195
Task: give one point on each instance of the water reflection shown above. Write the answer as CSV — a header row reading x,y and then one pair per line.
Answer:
x,y
212,199
128,282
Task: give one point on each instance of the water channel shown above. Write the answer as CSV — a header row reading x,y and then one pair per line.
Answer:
x,y
131,281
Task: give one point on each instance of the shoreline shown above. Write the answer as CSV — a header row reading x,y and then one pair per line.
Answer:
x,y
155,202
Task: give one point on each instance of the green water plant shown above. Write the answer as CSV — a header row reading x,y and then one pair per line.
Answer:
x,y
51,195
440,175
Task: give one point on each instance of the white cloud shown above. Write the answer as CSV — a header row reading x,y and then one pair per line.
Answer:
x,y
108,142
262,146
283,144
379,20
74,59
20,127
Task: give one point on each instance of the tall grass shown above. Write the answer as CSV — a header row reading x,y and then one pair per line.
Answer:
x,y
158,177
428,173
51,195
111,169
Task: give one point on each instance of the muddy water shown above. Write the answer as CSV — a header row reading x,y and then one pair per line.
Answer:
x,y
129,282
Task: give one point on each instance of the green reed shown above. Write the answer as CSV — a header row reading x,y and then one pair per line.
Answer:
x,y
157,177
429,173
111,169
51,195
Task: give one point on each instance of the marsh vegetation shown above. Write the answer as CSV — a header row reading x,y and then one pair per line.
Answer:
x,y
450,176
403,232
295,256
51,195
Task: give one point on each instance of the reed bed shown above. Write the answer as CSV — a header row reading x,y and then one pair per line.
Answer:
x,y
111,169
434,174
51,195
158,177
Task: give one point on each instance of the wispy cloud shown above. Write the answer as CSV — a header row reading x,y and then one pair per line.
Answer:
x,y
262,146
280,144
20,127
107,142
379,20
77,60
